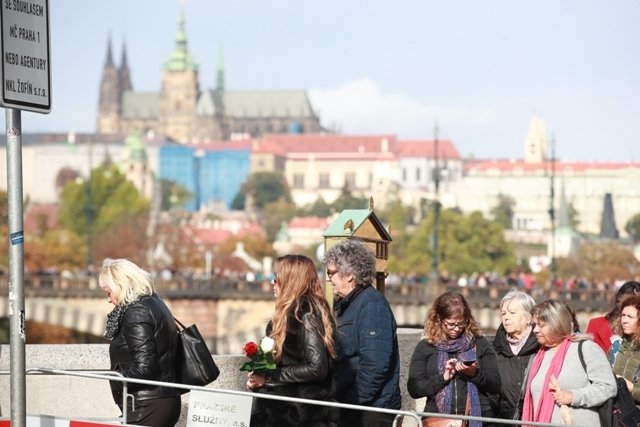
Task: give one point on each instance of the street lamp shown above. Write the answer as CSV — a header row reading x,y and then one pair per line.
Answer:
x,y
436,208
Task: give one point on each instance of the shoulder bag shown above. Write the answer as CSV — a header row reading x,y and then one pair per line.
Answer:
x,y
620,410
194,364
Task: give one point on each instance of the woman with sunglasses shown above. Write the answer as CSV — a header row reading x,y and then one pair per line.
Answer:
x,y
302,328
454,366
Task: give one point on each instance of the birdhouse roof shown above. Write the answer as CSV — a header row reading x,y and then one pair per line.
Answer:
x,y
357,223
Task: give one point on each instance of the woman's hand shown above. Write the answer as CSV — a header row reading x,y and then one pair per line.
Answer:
x,y
467,370
562,397
449,369
255,381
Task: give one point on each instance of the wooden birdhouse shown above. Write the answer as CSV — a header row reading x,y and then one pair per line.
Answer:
x,y
364,225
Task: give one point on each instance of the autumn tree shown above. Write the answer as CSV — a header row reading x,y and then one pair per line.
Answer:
x,y
503,211
262,188
607,261
633,227
467,243
97,206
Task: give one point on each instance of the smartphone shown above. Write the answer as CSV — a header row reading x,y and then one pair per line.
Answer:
x,y
468,362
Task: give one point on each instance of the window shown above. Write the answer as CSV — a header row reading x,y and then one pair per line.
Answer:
x,y
298,180
323,180
417,174
350,180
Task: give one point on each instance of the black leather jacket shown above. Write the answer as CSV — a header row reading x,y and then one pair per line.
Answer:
x,y
145,347
305,371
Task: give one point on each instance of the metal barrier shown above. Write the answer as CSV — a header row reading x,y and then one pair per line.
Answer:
x,y
399,414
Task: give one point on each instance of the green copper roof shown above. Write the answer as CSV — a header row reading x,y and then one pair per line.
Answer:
x,y
135,146
181,59
349,220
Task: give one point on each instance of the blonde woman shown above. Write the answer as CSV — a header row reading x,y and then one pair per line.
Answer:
x,y
302,328
143,344
565,372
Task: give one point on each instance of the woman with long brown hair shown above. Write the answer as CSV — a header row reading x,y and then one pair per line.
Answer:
x,y
302,328
454,366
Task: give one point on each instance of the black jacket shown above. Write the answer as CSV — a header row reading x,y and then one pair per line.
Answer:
x,y
512,369
425,379
304,371
145,348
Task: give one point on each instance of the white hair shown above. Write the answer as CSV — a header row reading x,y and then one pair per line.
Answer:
x,y
126,281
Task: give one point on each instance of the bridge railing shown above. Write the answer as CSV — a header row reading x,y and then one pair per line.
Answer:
x,y
403,292
401,415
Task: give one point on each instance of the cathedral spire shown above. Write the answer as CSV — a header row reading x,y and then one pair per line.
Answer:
x,y
220,70
181,59
108,62
123,72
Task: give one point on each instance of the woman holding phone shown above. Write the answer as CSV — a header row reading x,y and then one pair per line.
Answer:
x,y
454,366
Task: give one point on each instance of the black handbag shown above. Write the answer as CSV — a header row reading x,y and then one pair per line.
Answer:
x,y
194,364
620,410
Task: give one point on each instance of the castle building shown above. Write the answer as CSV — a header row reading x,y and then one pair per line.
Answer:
x,y
185,112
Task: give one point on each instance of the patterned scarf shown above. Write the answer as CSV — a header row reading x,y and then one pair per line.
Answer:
x,y
114,318
464,348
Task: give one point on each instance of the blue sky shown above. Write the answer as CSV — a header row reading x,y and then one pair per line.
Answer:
x,y
480,68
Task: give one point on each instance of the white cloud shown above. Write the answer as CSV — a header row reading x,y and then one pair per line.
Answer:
x,y
359,107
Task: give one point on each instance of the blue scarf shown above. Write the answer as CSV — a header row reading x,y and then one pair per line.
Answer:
x,y
464,348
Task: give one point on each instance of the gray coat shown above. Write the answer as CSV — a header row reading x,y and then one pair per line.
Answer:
x,y
590,389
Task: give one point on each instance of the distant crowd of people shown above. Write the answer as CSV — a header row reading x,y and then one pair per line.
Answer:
x,y
538,367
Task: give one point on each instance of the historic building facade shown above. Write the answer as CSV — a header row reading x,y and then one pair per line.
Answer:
x,y
184,112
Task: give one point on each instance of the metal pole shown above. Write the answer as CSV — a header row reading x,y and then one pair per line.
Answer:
x,y
89,208
552,213
436,210
16,267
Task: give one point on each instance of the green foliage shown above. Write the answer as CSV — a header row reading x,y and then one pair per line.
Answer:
x,y
574,216
274,214
265,188
633,227
173,195
347,200
319,208
466,244
109,198
503,211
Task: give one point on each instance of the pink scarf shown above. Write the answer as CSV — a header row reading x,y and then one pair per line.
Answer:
x,y
546,404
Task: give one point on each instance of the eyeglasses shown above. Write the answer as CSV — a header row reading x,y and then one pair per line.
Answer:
x,y
274,280
459,325
330,273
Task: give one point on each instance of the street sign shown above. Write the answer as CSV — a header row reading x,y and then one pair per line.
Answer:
x,y
25,73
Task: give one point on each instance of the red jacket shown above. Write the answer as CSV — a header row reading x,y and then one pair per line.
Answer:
x,y
600,328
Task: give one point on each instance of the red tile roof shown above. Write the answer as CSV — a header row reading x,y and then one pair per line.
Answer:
x,y
427,148
519,165
32,220
312,222
328,146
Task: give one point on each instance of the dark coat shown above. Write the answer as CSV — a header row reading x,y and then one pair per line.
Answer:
x,y
369,362
512,370
426,380
304,371
145,348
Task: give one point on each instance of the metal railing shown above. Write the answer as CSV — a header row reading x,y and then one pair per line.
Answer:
x,y
399,414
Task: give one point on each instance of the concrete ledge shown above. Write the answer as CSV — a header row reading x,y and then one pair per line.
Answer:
x,y
66,396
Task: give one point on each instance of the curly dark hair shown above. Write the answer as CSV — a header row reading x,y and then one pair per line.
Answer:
x,y
448,305
633,301
353,257
629,288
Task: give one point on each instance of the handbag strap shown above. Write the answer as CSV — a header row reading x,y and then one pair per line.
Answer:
x,y
634,379
181,326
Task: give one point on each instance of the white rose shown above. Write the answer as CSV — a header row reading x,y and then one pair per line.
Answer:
x,y
266,345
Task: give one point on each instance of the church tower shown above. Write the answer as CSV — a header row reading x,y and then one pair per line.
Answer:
x,y
110,97
180,90
124,76
536,141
